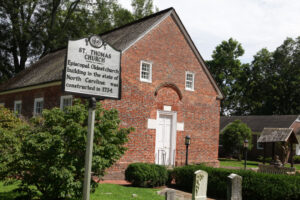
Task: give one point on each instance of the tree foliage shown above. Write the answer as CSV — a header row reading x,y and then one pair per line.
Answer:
x,y
233,137
52,152
12,133
142,8
226,69
268,85
30,29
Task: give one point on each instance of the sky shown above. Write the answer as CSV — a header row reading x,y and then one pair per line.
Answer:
x,y
256,24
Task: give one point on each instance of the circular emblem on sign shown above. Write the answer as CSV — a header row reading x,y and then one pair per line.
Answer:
x,y
96,41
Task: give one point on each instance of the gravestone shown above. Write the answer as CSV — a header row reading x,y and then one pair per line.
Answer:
x,y
200,185
170,195
234,187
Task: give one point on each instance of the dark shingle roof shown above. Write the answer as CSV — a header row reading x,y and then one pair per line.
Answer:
x,y
122,37
277,135
258,123
49,68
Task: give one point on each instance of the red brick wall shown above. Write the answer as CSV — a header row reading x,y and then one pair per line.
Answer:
x,y
51,97
170,54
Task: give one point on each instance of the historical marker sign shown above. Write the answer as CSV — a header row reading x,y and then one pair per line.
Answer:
x,y
92,68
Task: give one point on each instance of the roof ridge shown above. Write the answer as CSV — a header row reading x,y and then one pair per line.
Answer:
x,y
121,27
137,21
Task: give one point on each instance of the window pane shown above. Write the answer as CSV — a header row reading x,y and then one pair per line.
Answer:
x,y
67,101
18,108
189,77
39,107
189,84
145,67
145,75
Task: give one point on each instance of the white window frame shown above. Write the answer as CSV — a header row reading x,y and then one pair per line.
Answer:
x,y
259,147
193,81
62,98
297,149
36,100
150,72
15,106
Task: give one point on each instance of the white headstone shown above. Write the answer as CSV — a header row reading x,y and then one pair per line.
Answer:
x,y
234,187
200,185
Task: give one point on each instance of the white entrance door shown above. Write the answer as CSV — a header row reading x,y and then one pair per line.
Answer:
x,y
163,140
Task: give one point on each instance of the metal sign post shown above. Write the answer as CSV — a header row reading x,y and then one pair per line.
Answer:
x,y
92,69
89,149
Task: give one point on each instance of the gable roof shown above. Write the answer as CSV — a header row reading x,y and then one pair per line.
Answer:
x,y
258,122
50,67
278,135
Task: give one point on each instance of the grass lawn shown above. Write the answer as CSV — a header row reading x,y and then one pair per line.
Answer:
x,y
250,164
235,163
103,192
111,191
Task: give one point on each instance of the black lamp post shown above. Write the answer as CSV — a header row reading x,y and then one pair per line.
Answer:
x,y
245,149
187,143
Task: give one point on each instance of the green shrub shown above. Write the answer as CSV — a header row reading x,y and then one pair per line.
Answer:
x,y
233,137
255,185
50,156
297,159
146,175
12,132
267,159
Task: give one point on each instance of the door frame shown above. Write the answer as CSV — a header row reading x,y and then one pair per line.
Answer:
x,y
173,114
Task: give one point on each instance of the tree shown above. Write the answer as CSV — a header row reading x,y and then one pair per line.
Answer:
x,y
256,98
30,29
268,85
226,69
286,77
233,137
27,27
142,8
272,80
52,153
122,16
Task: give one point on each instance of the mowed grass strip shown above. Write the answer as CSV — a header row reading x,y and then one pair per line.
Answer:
x,y
236,163
103,192
112,191
250,164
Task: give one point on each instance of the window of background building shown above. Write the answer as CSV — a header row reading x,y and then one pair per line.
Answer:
x,y
259,145
146,72
18,107
65,101
38,106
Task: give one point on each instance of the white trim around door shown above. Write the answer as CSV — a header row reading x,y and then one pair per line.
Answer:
x,y
165,151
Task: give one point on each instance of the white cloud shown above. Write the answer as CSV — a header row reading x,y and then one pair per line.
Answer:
x,y
254,23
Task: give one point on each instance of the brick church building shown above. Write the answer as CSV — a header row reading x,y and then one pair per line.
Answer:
x,y
167,92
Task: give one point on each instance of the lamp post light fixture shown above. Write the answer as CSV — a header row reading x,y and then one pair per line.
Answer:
x,y
245,149
187,143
